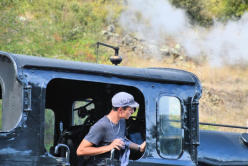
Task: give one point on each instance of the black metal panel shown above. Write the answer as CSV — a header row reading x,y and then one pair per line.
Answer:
x,y
222,148
152,74
28,160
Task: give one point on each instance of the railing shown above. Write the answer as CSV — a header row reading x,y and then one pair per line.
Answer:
x,y
221,125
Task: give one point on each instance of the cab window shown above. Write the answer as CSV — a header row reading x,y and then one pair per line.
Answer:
x,y
81,111
10,96
49,128
170,135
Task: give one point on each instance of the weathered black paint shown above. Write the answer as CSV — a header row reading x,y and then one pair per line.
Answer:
x,y
222,148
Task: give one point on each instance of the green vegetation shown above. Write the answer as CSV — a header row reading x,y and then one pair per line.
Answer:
x,y
49,128
69,29
204,12
195,11
227,9
204,127
65,29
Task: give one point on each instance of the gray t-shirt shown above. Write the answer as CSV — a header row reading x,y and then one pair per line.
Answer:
x,y
103,132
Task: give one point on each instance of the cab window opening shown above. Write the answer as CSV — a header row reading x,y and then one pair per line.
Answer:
x,y
170,133
10,95
77,105
81,108
49,129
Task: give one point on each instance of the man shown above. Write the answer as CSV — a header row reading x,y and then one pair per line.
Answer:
x,y
109,132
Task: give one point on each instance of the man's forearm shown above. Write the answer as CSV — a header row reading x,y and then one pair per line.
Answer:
x,y
91,151
137,147
134,146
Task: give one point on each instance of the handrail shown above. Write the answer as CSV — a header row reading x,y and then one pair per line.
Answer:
x,y
221,125
67,155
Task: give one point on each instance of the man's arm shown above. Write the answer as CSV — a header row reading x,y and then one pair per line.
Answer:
x,y
137,147
86,148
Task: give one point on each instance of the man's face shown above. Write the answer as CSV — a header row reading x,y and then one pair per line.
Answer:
x,y
126,113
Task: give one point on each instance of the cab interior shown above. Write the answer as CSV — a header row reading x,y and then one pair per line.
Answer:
x,y
72,107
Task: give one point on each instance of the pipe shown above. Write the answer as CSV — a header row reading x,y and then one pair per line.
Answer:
x,y
67,154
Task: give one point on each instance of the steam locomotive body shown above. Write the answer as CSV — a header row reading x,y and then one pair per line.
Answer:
x,y
72,96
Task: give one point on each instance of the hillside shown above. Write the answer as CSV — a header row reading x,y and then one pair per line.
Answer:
x,y
225,91
69,29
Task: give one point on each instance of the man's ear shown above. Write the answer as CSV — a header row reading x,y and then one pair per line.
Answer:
x,y
119,109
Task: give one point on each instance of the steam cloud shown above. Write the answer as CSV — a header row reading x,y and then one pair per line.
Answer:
x,y
157,21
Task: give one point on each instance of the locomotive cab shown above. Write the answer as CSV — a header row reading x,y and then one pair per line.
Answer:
x,y
49,105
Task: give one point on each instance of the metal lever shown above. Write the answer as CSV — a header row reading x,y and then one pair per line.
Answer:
x,y
67,154
112,154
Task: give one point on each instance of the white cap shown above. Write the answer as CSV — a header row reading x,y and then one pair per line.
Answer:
x,y
123,99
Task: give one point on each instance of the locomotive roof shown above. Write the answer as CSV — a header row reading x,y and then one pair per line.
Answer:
x,y
148,74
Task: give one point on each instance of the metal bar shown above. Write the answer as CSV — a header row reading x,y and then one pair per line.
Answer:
x,y
220,125
107,45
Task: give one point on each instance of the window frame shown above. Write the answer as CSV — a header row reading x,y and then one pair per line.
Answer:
x,y
158,122
1,108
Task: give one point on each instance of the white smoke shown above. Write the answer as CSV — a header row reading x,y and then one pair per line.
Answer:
x,y
157,21
151,19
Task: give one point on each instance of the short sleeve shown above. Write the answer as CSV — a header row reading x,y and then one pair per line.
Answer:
x,y
96,134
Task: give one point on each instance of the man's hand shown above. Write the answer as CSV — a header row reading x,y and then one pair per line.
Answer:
x,y
117,144
143,146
